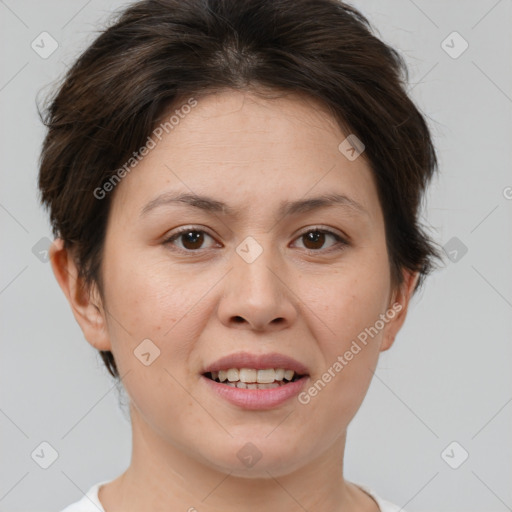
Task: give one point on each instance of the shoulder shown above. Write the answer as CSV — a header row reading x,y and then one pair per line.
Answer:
x,y
89,501
384,506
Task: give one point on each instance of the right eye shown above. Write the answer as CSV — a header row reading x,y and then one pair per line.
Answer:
x,y
191,239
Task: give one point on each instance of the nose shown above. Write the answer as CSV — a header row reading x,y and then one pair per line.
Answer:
x,y
258,295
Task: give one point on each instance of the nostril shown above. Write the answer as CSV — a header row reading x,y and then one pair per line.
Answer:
x,y
238,319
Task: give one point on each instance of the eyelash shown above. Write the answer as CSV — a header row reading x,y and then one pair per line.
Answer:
x,y
341,243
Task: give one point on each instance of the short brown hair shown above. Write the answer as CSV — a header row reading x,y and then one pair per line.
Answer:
x,y
158,51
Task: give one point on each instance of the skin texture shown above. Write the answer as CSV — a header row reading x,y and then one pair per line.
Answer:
x,y
250,153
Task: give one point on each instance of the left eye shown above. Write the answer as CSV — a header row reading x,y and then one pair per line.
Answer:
x,y
315,239
193,239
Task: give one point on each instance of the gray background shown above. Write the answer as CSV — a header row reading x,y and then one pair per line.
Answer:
x,y
448,376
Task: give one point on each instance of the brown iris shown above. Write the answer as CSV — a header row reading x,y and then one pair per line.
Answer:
x,y
314,237
195,238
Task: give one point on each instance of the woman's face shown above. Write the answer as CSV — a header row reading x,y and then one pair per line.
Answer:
x,y
258,272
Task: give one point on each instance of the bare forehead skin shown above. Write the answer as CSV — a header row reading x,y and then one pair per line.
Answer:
x,y
237,141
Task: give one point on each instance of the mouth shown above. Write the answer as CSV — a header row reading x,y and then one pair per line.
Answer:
x,y
252,378
255,381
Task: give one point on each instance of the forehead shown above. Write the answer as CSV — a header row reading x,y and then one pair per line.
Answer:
x,y
246,149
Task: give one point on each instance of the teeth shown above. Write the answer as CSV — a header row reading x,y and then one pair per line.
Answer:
x,y
232,375
288,374
249,377
266,376
268,386
243,385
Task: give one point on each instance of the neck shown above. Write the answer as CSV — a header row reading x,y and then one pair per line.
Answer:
x,y
162,476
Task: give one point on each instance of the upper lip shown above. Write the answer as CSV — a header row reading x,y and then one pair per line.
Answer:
x,y
257,362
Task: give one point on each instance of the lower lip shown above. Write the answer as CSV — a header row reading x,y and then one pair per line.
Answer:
x,y
257,398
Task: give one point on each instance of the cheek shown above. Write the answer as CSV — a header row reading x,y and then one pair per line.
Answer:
x,y
149,292
348,305
155,301
347,300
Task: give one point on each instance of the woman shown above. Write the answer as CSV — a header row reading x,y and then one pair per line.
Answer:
x,y
234,189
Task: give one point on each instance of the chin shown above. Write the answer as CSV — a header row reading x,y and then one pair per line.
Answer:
x,y
255,457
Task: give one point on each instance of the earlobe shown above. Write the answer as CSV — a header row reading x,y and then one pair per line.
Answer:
x,y
87,310
398,307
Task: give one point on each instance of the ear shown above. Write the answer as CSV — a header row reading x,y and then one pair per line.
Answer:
x,y
398,304
85,304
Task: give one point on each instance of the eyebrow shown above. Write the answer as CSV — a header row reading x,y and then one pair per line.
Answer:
x,y
286,208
